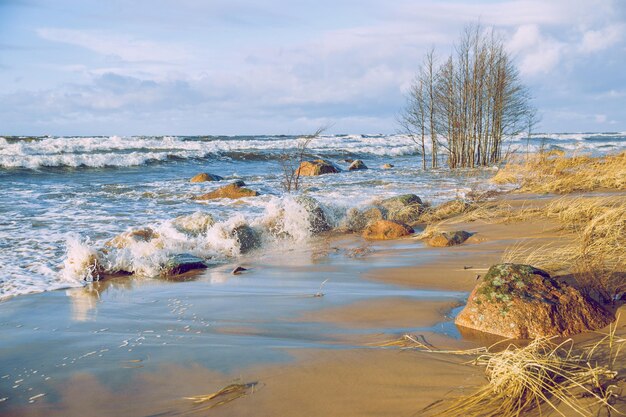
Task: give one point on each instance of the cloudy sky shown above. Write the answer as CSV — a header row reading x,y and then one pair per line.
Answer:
x,y
280,66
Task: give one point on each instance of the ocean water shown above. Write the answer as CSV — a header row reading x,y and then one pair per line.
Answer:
x,y
62,198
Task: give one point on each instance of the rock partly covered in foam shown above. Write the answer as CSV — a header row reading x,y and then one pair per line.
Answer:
x,y
181,263
205,177
357,165
316,217
444,239
194,224
235,190
404,208
247,237
126,239
317,167
386,230
523,302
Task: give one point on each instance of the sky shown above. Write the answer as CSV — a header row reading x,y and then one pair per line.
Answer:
x,y
184,67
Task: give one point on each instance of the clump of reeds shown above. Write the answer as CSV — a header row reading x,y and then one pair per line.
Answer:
x,y
446,210
541,375
553,172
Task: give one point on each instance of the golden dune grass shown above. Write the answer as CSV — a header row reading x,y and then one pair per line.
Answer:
x,y
553,172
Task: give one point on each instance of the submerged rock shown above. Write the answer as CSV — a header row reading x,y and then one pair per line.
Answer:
x,y
444,239
181,263
194,224
234,190
387,166
386,230
405,208
357,165
126,239
523,302
317,167
247,237
318,223
205,177
239,270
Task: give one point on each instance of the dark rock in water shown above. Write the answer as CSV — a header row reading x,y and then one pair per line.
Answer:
x,y
405,208
386,230
523,302
239,270
239,183
205,176
348,160
247,237
234,190
317,220
357,166
181,263
317,167
444,239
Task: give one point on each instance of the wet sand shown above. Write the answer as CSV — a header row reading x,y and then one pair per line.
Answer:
x,y
137,347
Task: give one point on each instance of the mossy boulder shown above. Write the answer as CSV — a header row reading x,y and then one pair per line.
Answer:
x,y
314,168
386,230
357,220
234,190
205,177
357,165
405,208
444,239
181,263
318,222
523,302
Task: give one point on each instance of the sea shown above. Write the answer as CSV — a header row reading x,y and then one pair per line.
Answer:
x,y
62,198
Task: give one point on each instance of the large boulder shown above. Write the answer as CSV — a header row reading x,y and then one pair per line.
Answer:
x,y
523,302
316,217
386,230
181,263
247,237
205,176
444,239
234,190
193,224
405,208
357,165
317,167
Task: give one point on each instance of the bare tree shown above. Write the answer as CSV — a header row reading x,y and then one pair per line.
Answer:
x,y
471,102
291,159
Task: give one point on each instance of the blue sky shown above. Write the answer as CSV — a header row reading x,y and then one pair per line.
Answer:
x,y
250,67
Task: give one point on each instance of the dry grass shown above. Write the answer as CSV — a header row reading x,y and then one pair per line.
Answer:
x,y
553,172
223,396
444,211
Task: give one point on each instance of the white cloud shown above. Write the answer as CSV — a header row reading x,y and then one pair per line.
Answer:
x,y
126,48
537,53
598,40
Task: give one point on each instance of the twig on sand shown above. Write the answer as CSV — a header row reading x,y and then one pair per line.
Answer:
x,y
319,293
225,395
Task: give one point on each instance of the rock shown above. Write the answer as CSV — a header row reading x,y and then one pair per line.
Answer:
x,y
404,208
441,240
523,302
317,167
239,270
387,166
247,237
357,165
181,263
126,239
317,220
357,220
205,176
193,224
234,190
386,230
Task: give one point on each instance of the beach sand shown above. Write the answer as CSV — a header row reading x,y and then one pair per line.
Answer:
x,y
304,355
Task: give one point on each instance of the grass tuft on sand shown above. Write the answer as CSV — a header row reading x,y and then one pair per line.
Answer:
x,y
553,172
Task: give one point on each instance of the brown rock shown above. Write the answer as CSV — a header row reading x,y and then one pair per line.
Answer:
x,y
386,230
522,302
445,239
234,190
317,167
357,165
405,208
387,166
138,235
205,176
357,220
